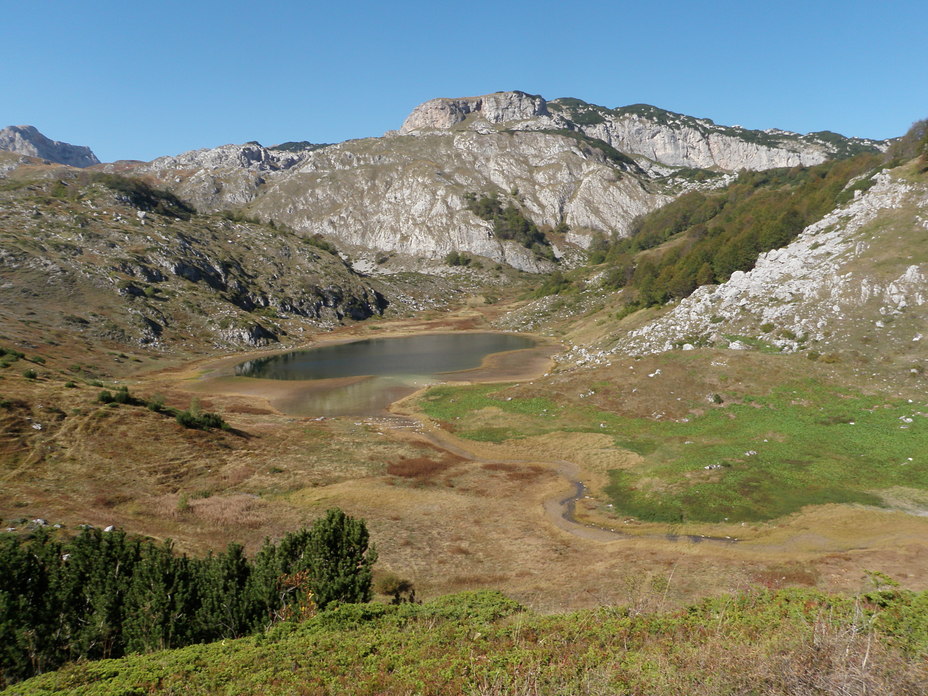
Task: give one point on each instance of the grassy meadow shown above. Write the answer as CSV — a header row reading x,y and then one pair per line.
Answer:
x,y
758,458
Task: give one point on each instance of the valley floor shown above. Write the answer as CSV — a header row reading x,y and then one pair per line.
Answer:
x,y
459,492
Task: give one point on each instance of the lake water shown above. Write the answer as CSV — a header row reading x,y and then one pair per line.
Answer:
x,y
364,377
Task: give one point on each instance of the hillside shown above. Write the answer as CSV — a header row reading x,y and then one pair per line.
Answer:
x,y
106,258
789,642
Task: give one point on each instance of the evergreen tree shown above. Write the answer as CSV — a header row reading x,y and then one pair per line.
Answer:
x,y
162,602
339,560
227,610
93,587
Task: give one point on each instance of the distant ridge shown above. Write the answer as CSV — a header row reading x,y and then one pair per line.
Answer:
x,y
27,140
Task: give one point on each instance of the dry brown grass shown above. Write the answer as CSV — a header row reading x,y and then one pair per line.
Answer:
x,y
462,515
418,468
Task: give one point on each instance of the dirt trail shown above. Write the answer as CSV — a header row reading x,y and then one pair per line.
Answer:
x,y
559,509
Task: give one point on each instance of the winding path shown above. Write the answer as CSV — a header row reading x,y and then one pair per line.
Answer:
x,y
561,510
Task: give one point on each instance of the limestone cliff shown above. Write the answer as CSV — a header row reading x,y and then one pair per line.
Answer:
x,y
501,107
660,136
27,140
406,194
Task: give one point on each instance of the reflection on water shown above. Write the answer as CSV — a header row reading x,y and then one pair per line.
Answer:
x,y
426,354
391,369
367,396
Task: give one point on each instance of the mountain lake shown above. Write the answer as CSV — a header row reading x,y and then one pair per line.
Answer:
x,y
364,377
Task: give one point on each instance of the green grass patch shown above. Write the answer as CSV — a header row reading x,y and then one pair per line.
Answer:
x,y
457,405
766,457
756,343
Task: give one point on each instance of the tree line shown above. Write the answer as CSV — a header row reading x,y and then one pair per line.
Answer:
x,y
104,594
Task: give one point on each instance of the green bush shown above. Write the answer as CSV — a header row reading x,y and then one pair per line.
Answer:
x,y
554,284
321,242
510,223
122,396
197,420
30,374
455,258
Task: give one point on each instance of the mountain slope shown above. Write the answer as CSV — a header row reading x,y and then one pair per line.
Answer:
x,y
407,195
563,164
855,280
111,258
27,140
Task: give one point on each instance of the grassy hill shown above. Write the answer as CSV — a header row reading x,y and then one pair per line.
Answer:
x,y
787,642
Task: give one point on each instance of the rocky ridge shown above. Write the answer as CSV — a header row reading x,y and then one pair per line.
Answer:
x,y
684,141
27,140
660,137
559,162
500,107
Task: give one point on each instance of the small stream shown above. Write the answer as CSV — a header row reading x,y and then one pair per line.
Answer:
x,y
562,510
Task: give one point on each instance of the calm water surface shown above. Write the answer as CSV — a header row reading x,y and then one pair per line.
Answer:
x,y
394,367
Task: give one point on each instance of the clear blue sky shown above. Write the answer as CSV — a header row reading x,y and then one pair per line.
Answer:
x,y
136,80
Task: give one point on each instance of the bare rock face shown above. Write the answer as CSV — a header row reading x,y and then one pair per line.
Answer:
x,y
228,176
248,156
27,140
686,144
500,107
661,137
407,194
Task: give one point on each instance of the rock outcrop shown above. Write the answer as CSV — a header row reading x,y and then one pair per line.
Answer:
x,y
500,107
663,137
683,141
27,140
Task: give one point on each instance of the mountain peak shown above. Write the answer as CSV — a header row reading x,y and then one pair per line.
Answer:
x,y
27,140
498,107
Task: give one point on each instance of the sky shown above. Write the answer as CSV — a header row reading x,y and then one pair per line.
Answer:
x,y
137,80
